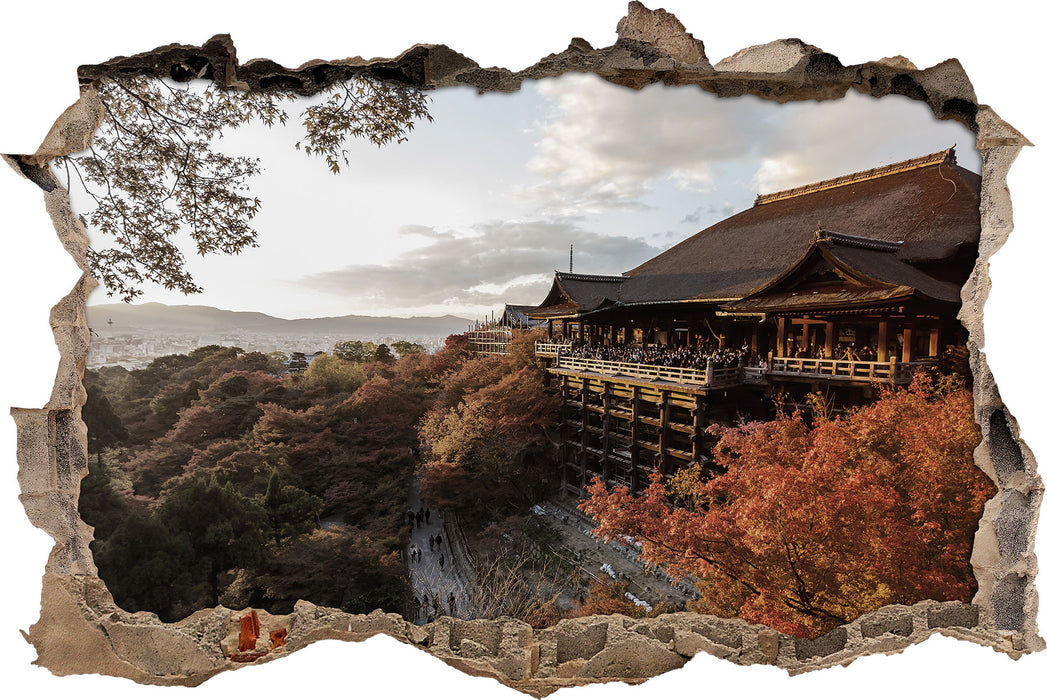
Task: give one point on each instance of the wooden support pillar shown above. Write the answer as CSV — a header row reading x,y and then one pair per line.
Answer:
x,y
697,419
584,438
754,344
634,444
830,338
805,339
563,434
780,349
663,429
606,472
907,344
935,334
881,342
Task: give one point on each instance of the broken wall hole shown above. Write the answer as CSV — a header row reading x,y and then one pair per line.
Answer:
x,y
646,51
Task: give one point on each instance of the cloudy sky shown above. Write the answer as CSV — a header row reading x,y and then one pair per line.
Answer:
x,y
479,207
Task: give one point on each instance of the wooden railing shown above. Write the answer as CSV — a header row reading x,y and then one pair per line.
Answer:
x,y
707,376
843,370
493,341
543,349
858,370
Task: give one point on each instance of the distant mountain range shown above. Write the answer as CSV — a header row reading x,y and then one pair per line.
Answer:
x,y
155,317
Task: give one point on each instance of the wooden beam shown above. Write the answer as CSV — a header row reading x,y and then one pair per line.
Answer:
x,y
935,333
781,337
907,344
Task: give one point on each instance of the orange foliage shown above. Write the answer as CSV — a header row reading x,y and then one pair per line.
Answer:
x,y
813,526
607,597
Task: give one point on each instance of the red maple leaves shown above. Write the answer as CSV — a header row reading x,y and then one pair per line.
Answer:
x,y
816,523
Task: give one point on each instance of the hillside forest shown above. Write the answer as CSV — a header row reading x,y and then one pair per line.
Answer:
x,y
244,479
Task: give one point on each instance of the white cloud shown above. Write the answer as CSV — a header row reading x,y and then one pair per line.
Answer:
x,y
604,147
497,262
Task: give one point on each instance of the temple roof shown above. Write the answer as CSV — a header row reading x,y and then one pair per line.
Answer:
x,y
573,293
840,271
515,315
927,207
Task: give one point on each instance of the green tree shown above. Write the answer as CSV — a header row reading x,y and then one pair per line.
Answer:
x,y
148,566
104,427
405,347
382,353
152,172
356,350
291,510
223,529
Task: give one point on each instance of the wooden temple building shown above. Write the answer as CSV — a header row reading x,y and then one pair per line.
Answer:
x,y
491,336
834,287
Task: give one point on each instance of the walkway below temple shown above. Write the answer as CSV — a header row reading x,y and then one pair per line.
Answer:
x,y
439,589
591,556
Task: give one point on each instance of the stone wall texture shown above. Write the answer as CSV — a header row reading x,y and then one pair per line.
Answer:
x,y
81,630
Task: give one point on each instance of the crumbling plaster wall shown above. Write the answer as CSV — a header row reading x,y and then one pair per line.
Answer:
x,y
652,46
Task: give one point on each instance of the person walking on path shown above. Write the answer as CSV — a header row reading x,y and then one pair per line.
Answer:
x,y
431,541
426,516
441,562
439,540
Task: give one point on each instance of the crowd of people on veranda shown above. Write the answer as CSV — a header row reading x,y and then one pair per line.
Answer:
x,y
696,357
699,356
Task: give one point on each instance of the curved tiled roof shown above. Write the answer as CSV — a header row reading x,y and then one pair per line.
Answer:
x,y
930,208
572,293
922,209
870,272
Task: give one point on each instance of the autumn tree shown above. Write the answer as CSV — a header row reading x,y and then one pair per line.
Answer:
x,y
489,451
333,375
152,171
814,525
340,568
607,596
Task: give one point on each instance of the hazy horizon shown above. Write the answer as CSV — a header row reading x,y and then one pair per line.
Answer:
x,y
120,304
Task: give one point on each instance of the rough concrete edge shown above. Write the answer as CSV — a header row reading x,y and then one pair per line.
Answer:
x,y
652,46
